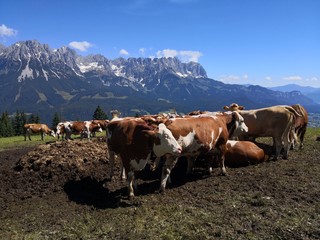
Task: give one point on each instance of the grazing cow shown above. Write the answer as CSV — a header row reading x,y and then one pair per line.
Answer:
x,y
103,125
84,128
276,122
32,128
243,153
134,141
202,135
300,124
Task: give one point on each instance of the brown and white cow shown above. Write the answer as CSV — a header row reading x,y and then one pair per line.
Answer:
x,y
61,129
243,153
134,141
202,135
84,128
300,124
276,122
34,128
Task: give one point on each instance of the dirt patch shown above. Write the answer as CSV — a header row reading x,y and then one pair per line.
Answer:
x,y
61,190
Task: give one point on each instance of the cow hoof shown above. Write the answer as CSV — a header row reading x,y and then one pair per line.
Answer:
x,y
131,197
161,191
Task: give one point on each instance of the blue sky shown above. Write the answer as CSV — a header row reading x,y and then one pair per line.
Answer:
x,y
264,42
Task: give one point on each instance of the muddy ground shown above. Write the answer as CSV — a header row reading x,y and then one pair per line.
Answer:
x,y
62,190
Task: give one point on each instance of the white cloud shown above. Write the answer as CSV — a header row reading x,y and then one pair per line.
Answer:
x,y
7,32
167,53
293,78
268,78
185,55
245,76
142,51
123,52
81,46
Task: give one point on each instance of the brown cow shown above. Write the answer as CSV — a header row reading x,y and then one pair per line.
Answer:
x,y
202,135
134,141
276,122
243,153
300,124
33,128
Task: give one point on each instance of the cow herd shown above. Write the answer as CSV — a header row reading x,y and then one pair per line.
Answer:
x,y
226,138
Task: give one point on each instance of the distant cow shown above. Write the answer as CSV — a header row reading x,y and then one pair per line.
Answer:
x,y
84,128
243,153
103,123
134,141
300,124
276,122
34,128
202,135
61,129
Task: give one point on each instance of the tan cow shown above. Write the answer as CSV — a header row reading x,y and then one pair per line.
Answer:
x,y
33,128
276,122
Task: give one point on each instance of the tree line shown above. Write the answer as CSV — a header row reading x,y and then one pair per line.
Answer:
x,y
12,125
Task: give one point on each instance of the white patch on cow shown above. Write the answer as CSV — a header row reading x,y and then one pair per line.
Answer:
x,y
187,140
220,131
168,144
211,144
140,164
232,143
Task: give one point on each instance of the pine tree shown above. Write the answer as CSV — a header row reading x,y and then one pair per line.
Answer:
x,y
18,121
55,121
34,118
6,129
99,114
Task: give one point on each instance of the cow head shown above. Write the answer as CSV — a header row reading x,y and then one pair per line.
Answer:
x,y
164,143
237,124
233,107
52,133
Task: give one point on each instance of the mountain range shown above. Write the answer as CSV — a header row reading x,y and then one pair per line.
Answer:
x,y
37,79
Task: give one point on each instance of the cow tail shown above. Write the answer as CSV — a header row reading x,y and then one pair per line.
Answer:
x,y
292,110
289,129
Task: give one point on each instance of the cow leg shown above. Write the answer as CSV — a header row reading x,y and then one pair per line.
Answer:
x,y
278,144
122,172
111,161
166,170
190,165
29,134
222,166
130,183
302,133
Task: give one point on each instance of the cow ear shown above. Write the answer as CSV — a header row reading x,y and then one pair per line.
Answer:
x,y
226,108
241,107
